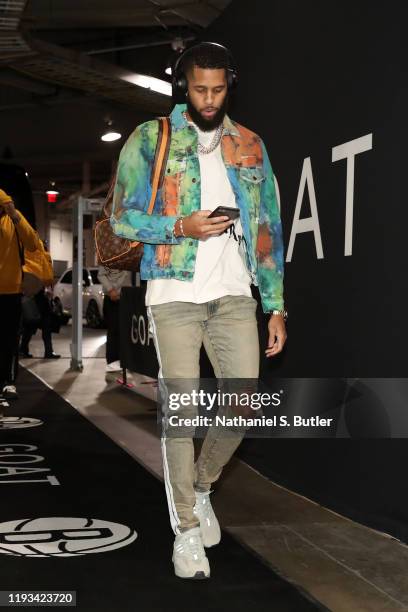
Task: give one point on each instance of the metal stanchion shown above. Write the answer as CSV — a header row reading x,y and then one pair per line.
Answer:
x,y
77,284
81,206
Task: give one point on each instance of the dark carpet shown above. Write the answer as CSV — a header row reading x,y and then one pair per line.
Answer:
x,y
71,503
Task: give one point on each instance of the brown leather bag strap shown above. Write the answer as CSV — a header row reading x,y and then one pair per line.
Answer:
x,y
166,120
161,157
109,194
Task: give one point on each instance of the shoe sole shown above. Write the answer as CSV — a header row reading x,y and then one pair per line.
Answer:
x,y
197,576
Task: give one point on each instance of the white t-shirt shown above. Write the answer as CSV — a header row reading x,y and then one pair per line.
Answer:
x,y
219,268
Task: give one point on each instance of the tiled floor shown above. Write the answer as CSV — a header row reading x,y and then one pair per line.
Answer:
x,y
345,566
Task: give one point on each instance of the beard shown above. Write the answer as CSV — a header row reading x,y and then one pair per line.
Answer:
x,y
207,125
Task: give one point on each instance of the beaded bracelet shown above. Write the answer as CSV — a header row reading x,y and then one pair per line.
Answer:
x,y
180,226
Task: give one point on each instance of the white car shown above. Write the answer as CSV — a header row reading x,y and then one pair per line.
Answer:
x,y
92,296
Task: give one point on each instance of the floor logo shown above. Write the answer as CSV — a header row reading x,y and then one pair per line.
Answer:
x,y
18,422
61,536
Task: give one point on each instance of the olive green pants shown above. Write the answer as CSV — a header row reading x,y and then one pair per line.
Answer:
x,y
228,329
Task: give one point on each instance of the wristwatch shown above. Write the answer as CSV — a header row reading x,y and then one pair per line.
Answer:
x,y
283,313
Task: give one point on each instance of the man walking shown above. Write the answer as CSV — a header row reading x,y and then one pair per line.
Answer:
x,y
199,269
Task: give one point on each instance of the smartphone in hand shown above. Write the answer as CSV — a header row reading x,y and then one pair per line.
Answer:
x,y
228,211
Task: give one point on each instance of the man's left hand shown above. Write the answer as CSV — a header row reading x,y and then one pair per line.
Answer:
x,y
277,335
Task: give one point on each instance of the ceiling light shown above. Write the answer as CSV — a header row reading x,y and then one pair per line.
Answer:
x,y
149,82
110,135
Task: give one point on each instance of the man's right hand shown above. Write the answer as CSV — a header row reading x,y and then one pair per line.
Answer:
x,y
198,225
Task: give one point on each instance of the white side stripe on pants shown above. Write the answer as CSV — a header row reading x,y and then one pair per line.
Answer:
x,y
174,518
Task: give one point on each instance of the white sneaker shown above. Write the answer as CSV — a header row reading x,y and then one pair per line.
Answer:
x,y
114,367
9,392
189,556
209,525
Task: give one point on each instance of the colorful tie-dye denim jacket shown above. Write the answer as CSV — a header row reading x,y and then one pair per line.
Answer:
x,y
250,173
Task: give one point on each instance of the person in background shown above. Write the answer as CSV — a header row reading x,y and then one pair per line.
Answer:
x,y
14,231
42,300
112,282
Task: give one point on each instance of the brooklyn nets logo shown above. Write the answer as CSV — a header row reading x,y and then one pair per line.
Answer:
x,y
60,536
18,422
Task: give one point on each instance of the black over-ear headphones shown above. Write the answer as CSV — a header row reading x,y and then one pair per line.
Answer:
x,y
179,80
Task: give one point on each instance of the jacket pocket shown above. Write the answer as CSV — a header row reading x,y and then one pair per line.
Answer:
x,y
175,166
252,175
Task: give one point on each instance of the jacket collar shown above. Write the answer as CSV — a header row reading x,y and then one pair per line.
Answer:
x,y
178,121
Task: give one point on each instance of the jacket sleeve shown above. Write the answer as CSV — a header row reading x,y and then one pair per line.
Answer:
x,y
133,190
269,248
28,236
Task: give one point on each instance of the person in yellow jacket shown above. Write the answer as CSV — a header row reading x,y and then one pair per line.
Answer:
x,y
14,228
